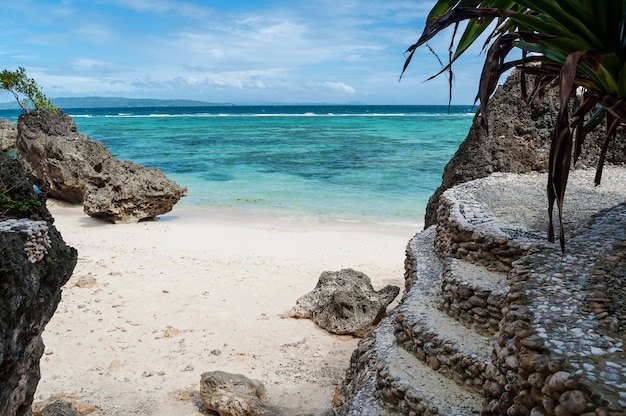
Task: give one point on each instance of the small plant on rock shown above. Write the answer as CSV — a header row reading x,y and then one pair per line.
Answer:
x,y
23,206
579,45
17,83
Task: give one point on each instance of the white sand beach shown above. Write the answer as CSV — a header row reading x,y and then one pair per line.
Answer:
x,y
153,305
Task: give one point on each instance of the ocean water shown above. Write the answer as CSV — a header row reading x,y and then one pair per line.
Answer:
x,y
347,163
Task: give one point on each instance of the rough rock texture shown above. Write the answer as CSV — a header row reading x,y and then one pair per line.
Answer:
x,y
8,135
131,193
54,407
235,395
69,166
345,303
518,142
30,290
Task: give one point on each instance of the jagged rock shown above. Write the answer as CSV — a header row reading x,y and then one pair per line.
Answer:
x,y
518,141
345,303
131,193
235,395
69,166
54,407
30,289
8,135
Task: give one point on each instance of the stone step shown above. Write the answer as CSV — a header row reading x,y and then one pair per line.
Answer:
x,y
406,384
473,295
431,335
423,390
467,229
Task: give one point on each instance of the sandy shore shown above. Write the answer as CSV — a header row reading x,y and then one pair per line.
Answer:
x,y
151,306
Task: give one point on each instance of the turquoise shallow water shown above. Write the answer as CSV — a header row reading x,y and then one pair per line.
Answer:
x,y
351,163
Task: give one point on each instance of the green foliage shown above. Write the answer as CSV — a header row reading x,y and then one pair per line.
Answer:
x,y
18,84
26,205
571,43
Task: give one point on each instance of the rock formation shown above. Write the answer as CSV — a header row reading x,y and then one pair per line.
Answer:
x,y
8,135
235,395
69,166
518,142
35,263
344,303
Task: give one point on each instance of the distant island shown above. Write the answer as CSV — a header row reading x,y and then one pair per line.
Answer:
x,y
116,102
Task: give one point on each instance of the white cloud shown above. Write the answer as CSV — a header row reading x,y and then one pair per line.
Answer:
x,y
339,87
316,50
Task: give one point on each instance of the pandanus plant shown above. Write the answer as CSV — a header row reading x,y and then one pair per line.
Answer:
x,y
580,45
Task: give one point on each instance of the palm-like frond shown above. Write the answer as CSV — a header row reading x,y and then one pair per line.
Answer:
x,y
579,43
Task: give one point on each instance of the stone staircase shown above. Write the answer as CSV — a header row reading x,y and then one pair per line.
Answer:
x,y
483,329
420,359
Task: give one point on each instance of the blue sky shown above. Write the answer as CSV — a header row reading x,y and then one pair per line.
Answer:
x,y
241,52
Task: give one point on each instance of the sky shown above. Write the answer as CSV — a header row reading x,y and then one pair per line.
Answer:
x,y
231,51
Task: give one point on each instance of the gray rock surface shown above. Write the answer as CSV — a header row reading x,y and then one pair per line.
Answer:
x,y
30,290
54,407
68,165
518,141
235,395
131,193
345,303
8,135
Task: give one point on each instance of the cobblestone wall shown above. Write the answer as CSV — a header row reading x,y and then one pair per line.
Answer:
x,y
475,306
467,230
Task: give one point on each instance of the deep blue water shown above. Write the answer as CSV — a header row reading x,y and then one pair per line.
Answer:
x,y
377,163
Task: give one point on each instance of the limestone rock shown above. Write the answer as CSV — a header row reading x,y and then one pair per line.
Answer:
x,y
235,395
54,407
8,135
69,166
131,193
518,141
345,303
30,292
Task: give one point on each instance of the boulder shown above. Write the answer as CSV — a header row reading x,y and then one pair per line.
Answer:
x,y
345,303
35,263
131,193
235,395
8,135
68,165
54,407
518,141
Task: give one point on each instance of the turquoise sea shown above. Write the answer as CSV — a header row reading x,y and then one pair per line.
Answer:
x,y
347,163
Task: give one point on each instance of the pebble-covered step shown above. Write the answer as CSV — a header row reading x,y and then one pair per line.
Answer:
x,y
562,346
412,386
357,396
405,384
473,295
444,344
467,229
